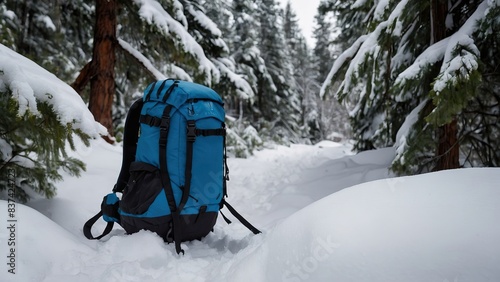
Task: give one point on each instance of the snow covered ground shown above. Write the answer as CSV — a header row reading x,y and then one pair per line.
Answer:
x,y
326,215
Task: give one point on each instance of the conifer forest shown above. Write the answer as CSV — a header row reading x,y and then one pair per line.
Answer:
x,y
420,76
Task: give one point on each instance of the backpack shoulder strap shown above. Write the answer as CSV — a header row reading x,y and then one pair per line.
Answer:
x,y
130,138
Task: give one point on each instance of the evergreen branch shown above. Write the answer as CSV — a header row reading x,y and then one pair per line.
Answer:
x,y
143,61
4,165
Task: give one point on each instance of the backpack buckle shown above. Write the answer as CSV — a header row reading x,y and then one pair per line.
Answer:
x,y
191,131
165,123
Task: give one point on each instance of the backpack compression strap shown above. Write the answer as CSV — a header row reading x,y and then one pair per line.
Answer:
x,y
226,204
164,125
192,133
239,217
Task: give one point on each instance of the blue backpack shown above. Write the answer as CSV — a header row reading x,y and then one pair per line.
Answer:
x,y
174,168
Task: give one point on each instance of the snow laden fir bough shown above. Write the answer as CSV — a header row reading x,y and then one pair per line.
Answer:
x,y
40,113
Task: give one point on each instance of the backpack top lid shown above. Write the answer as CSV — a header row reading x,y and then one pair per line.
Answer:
x,y
184,91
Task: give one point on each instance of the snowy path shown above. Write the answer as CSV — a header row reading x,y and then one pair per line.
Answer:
x,y
311,231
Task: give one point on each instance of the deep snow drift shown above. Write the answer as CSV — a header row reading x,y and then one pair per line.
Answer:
x,y
435,227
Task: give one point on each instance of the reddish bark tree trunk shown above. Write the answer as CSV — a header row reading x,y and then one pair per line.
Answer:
x,y
448,148
102,82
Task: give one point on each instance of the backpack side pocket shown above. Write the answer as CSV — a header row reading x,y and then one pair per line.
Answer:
x,y
142,189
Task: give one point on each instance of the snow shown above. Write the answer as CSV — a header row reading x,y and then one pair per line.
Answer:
x,y
404,131
9,15
153,13
144,61
409,230
48,22
243,88
380,9
326,215
460,66
431,55
206,22
363,46
445,50
30,84
340,61
173,70
358,4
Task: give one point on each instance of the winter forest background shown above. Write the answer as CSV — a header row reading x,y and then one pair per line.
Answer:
x,y
422,76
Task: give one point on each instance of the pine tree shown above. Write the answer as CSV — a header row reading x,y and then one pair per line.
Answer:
x,y
32,150
409,78
7,26
304,74
175,39
331,115
279,106
41,116
246,52
242,136
102,67
210,38
351,17
54,36
221,13
193,48
323,33
33,141
481,119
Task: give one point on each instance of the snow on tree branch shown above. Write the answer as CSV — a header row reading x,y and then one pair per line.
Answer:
x,y
458,67
205,21
30,84
363,46
176,72
340,62
153,12
244,90
143,60
430,56
445,50
404,131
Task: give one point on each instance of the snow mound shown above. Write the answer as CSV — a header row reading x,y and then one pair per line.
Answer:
x,y
435,227
316,225
34,243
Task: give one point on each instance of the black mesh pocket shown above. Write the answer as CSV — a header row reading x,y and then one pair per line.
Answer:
x,y
142,188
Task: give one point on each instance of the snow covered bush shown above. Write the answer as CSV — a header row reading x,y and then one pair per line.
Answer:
x,y
242,139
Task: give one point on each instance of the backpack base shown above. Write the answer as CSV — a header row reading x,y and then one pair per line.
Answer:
x,y
193,226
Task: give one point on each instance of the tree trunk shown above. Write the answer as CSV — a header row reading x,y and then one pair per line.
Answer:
x,y
102,84
448,148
